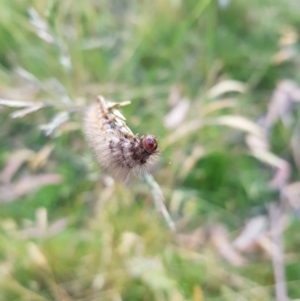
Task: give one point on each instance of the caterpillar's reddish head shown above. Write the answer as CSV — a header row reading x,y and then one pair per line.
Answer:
x,y
150,144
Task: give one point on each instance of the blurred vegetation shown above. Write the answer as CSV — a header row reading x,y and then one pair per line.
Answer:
x,y
216,82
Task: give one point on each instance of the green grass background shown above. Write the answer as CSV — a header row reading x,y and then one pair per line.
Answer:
x,y
115,246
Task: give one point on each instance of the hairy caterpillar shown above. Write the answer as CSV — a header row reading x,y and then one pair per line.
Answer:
x,y
117,149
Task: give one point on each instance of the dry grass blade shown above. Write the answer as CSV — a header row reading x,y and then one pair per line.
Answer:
x,y
198,294
16,103
252,232
286,93
283,168
36,231
288,47
269,158
24,112
42,31
58,120
218,105
292,193
295,144
41,26
61,90
26,185
131,244
226,86
40,158
197,153
175,95
257,143
238,122
278,253
281,176
14,163
176,116
183,131
219,238
28,76
36,255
